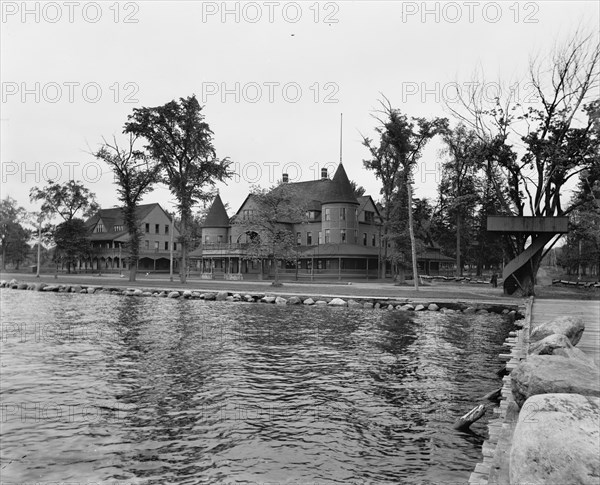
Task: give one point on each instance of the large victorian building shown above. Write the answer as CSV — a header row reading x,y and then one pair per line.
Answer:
x,y
339,234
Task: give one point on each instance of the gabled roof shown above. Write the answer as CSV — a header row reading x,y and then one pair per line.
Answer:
x,y
341,189
363,200
217,215
114,216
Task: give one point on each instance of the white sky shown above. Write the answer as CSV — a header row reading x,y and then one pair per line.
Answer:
x,y
73,71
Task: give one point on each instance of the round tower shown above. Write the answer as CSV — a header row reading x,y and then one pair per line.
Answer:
x,y
339,221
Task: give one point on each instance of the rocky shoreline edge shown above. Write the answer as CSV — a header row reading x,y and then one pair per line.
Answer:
x,y
547,428
402,304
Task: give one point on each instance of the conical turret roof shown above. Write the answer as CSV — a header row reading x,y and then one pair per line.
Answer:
x,y
217,215
340,189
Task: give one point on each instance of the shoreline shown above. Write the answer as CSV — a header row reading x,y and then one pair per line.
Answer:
x,y
274,295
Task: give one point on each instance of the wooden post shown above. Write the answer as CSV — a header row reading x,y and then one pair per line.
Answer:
x,y
468,419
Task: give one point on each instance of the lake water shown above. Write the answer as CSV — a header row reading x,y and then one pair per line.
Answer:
x,y
105,389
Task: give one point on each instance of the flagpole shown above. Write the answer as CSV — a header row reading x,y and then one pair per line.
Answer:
x,y
341,126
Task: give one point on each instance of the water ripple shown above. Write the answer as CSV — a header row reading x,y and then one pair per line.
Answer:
x,y
156,391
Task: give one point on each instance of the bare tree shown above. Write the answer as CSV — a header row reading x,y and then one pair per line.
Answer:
x,y
135,174
538,149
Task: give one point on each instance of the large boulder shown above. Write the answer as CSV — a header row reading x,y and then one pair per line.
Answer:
x,y
294,300
549,344
337,302
280,301
308,301
174,294
570,326
548,374
556,440
268,299
222,296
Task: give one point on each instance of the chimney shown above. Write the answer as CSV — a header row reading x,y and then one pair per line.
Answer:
x,y
324,173
285,178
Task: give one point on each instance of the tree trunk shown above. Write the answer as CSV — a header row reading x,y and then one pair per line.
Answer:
x,y
412,236
183,243
458,264
132,271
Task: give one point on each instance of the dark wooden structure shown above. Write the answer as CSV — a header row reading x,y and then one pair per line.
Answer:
x,y
540,229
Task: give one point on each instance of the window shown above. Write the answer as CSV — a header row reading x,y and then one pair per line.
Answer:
x,y
229,239
327,214
146,244
206,239
156,245
174,246
219,239
166,245
311,215
355,236
369,216
298,238
118,228
356,214
147,228
364,238
342,214
320,238
309,238
326,236
247,214
157,228
99,227
343,235
373,240
166,228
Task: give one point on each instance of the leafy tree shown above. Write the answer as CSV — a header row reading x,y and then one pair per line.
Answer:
x,y
135,175
269,225
386,168
358,190
457,188
72,242
13,236
65,200
180,140
560,138
401,144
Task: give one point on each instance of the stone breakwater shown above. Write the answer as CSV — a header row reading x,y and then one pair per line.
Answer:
x,y
548,430
401,304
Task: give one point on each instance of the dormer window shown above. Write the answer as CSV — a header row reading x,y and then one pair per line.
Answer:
x,y
99,227
370,216
118,228
312,215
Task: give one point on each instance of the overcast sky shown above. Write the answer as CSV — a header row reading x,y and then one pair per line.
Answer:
x,y
273,77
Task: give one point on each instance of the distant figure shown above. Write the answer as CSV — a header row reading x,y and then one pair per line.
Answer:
x,y
147,274
494,280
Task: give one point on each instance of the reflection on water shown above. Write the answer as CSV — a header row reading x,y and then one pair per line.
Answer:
x,y
131,390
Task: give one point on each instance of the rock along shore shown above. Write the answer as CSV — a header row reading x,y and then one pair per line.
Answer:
x,y
401,304
548,428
